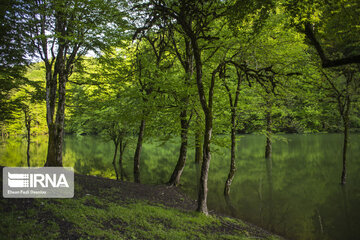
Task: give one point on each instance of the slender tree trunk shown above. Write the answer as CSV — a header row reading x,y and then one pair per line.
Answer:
x,y
268,153
203,189
346,141
184,122
121,168
138,152
175,177
345,146
51,85
116,145
51,152
343,98
233,106
268,147
232,158
207,108
28,136
60,116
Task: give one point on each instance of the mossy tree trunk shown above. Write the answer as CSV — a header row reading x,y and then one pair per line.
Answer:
x,y
175,177
28,133
268,116
116,146
122,150
187,63
233,106
343,98
346,123
138,151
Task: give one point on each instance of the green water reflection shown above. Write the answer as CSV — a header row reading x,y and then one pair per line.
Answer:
x,y
296,194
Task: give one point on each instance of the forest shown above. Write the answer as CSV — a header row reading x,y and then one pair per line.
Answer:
x,y
198,74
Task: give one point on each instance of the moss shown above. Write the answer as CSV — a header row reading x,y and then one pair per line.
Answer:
x,y
132,220
102,217
234,221
15,225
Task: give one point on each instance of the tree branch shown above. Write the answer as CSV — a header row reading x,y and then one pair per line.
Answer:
x,y
325,62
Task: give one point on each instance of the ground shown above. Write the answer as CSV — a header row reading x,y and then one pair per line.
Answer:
x,y
108,209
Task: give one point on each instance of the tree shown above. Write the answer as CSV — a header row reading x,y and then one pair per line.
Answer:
x,y
118,133
233,101
331,27
61,32
189,14
343,88
187,62
147,75
103,106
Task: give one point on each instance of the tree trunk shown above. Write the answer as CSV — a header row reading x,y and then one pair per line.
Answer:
x,y
122,149
345,145
268,153
202,194
28,129
268,147
60,116
116,145
54,155
138,152
207,108
233,106
51,153
203,189
175,177
56,130
232,158
184,122
51,85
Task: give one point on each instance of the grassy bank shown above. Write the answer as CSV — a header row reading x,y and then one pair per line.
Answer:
x,y
107,209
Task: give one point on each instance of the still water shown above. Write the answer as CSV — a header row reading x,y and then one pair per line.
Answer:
x,y
296,194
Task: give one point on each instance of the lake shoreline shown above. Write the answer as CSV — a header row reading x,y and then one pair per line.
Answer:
x,y
97,194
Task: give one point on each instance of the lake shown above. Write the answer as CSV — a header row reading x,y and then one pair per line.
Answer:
x,y
296,194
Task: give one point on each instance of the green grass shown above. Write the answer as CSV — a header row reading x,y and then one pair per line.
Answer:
x,y
93,217
18,224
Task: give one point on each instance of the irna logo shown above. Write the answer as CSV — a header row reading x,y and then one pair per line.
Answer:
x,y
44,182
34,180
